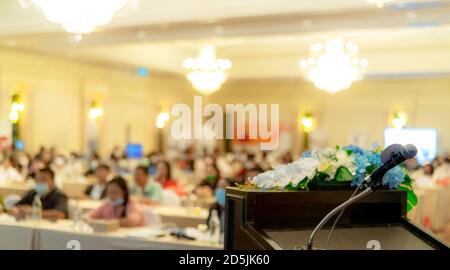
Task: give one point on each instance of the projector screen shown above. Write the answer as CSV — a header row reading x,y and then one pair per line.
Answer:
x,y
134,150
425,139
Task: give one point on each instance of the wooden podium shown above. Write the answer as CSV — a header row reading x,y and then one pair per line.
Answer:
x,y
257,219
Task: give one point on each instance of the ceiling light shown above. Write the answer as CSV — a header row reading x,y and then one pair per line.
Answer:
x,y
379,3
79,16
207,73
333,66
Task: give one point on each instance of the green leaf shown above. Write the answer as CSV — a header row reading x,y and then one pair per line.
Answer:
x,y
349,152
320,176
411,198
409,206
303,185
343,174
407,180
370,168
290,187
405,186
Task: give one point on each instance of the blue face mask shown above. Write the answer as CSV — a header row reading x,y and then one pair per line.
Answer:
x,y
152,170
220,196
41,188
117,202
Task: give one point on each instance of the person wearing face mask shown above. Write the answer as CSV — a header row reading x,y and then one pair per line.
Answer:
x,y
207,186
119,205
59,167
35,166
97,191
54,201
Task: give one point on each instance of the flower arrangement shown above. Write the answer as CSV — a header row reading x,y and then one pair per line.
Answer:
x,y
346,165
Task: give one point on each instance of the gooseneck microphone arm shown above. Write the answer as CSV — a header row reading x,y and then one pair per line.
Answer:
x,y
333,213
370,183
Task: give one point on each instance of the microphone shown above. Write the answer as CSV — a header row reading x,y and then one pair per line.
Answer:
x,y
392,156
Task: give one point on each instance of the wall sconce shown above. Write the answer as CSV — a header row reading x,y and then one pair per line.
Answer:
x,y
17,107
95,112
161,119
399,119
307,123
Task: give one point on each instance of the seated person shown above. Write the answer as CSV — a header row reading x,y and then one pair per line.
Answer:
x,y
97,190
35,166
10,170
219,205
164,177
119,205
208,185
54,201
147,190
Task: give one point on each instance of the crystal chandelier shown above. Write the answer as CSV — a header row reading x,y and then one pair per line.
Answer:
x,y
333,66
78,16
379,3
207,73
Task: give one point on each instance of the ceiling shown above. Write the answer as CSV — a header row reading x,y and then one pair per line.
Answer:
x,y
263,38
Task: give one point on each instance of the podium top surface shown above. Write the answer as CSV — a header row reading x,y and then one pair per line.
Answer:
x,y
387,237
279,191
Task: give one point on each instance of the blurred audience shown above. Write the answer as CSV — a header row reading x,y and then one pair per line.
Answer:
x,y
98,190
145,189
9,169
119,205
164,177
208,184
219,204
54,201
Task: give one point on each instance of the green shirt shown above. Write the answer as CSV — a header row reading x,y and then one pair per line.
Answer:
x,y
152,190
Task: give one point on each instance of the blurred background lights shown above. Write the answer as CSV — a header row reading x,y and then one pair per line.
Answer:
x,y
143,71
161,119
78,16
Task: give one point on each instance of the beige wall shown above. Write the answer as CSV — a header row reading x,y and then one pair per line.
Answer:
x,y
58,93
363,109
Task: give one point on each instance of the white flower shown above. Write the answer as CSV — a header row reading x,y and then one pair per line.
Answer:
x,y
280,171
325,154
294,167
330,164
283,175
347,161
306,167
264,180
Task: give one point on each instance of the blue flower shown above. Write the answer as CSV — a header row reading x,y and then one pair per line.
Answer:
x,y
374,158
355,149
306,154
361,172
394,177
361,163
363,159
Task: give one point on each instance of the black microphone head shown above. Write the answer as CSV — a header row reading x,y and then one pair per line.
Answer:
x,y
390,151
409,151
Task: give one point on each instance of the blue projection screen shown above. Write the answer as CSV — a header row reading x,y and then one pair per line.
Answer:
x,y
134,150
